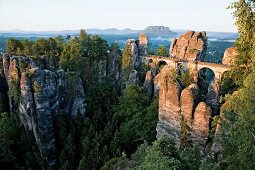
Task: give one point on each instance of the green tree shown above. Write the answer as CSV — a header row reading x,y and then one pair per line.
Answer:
x,y
98,48
14,46
244,20
27,47
163,154
239,120
71,57
162,51
41,47
238,117
53,50
60,44
126,63
185,78
127,58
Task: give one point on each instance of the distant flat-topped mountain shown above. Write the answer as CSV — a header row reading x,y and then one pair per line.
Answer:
x,y
158,31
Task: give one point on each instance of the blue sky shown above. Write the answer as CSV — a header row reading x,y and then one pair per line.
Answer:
x,y
38,15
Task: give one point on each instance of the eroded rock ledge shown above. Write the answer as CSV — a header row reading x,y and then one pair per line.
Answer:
x,y
38,90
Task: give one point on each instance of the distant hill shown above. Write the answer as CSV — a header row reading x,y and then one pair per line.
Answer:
x,y
152,31
158,31
111,31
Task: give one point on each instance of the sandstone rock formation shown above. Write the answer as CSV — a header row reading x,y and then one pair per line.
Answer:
x,y
113,66
4,104
39,94
212,98
189,100
133,78
230,56
143,45
187,107
169,104
200,124
148,84
190,46
101,67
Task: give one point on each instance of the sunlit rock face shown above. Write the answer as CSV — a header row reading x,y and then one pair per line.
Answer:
x,y
189,46
178,106
169,104
189,100
38,93
200,124
230,56
143,44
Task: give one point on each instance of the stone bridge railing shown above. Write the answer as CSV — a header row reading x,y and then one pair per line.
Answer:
x,y
194,66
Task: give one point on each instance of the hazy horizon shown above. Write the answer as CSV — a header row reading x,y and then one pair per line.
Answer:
x,y
55,15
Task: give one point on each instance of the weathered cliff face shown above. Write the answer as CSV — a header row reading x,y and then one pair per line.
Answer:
x,y
200,124
143,44
38,95
184,114
169,104
178,107
148,84
4,102
189,100
138,48
113,66
134,52
189,46
230,56
212,98
96,69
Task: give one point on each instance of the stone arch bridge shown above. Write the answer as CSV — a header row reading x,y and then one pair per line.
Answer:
x,y
194,66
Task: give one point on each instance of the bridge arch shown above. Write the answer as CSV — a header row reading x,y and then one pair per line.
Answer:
x,y
160,64
206,77
207,73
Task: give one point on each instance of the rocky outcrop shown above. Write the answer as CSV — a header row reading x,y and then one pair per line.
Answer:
x,y
132,57
189,100
143,45
230,56
107,65
184,112
200,124
133,78
169,104
133,44
148,84
39,94
4,102
113,66
212,98
190,46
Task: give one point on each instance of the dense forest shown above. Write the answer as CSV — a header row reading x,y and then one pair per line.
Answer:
x,y
118,130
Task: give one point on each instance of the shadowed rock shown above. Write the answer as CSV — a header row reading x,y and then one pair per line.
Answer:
x,y
38,95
